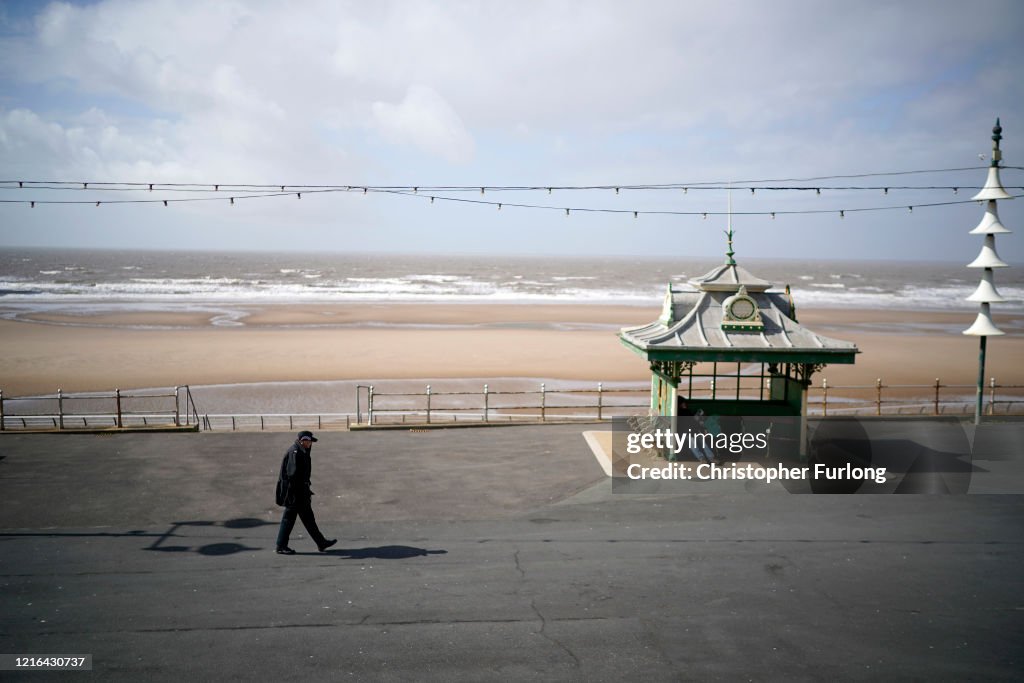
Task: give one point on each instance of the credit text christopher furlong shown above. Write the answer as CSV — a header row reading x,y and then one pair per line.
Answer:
x,y
706,471
666,439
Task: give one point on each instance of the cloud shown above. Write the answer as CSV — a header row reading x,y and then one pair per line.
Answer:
x,y
424,119
87,147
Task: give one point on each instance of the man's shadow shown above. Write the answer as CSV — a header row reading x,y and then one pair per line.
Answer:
x,y
384,552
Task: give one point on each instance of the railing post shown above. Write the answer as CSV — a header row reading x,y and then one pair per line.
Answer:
x,y
428,404
824,397
600,390
177,407
878,399
117,400
486,419
369,406
60,408
992,396
543,403
937,386
1,411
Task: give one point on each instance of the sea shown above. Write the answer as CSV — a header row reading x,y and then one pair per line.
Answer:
x,y
85,279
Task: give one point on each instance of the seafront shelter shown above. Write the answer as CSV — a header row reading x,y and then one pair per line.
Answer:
x,y
729,346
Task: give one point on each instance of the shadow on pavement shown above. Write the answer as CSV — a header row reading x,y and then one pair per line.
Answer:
x,y
210,549
385,552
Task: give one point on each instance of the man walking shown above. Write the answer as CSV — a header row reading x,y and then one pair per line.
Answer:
x,y
294,494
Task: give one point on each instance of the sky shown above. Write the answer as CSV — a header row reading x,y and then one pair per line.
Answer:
x,y
536,93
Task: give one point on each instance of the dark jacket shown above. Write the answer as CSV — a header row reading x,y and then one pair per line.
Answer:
x,y
294,479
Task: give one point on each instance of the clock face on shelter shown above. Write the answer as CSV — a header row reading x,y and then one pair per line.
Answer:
x,y
740,313
742,308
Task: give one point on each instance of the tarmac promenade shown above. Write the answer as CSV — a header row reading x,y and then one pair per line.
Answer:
x,y
484,554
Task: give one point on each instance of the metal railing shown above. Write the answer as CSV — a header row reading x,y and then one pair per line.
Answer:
x,y
488,406
117,410
275,421
912,399
176,407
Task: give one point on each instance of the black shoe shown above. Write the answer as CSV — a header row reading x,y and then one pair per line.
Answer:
x,y
327,544
285,551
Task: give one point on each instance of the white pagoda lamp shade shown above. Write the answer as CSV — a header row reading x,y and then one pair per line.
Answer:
x,y
993,187
990,224
983,325
986,292
988,258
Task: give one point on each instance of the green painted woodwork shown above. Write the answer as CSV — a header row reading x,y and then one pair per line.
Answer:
x,y
816,357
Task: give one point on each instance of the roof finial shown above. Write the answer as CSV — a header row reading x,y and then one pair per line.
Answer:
x,y
729,260
997,135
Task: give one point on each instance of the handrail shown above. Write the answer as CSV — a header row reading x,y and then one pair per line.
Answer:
x,y
887,398
486,409
930,397
493,405
119,415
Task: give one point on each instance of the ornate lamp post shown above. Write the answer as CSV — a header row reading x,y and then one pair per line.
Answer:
x,y
988,259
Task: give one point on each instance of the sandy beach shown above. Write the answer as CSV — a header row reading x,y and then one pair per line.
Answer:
x,y
100,351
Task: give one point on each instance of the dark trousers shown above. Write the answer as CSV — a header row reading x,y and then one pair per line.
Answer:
x,y
303,511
